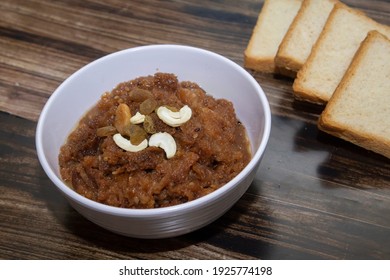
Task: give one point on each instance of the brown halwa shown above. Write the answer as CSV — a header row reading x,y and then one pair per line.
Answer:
x,y
212,147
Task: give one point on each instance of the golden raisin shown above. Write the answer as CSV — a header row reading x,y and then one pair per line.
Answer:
x,y
139,95
137,134
149,125
148,106
106,131
122,119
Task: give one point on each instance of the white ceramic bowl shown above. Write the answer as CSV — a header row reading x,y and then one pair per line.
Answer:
x,y
216,74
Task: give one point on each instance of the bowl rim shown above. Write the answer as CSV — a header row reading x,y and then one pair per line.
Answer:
x,y
153,212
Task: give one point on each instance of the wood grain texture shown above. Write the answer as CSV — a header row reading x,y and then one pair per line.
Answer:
x,y
313,197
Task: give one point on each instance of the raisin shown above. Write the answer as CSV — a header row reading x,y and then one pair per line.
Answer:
x,y
137,134
139,95
147,106
106,131
149,125
122,119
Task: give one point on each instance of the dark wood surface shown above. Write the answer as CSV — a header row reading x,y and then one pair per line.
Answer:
x,y
314,196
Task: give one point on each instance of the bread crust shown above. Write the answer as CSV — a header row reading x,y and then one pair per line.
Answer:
x,y
330,124
262,63
299,89
302,93
283,59
320,95
259,64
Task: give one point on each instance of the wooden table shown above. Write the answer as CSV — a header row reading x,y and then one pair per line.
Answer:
x,y
314,196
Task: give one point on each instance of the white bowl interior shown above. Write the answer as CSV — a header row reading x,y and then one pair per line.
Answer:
x,y
219,76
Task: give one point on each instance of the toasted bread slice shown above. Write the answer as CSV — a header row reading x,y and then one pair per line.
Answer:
x,y
272,24
331,55
302,34
359,110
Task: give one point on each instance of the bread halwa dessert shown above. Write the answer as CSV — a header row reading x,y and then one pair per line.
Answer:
x,y
154,142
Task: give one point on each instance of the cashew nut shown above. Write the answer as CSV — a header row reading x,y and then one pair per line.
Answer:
x,y
174,119
126,145
165,141
137,118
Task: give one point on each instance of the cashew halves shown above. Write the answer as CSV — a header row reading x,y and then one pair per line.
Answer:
x,y
137,118
165,141
126,145
174,119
